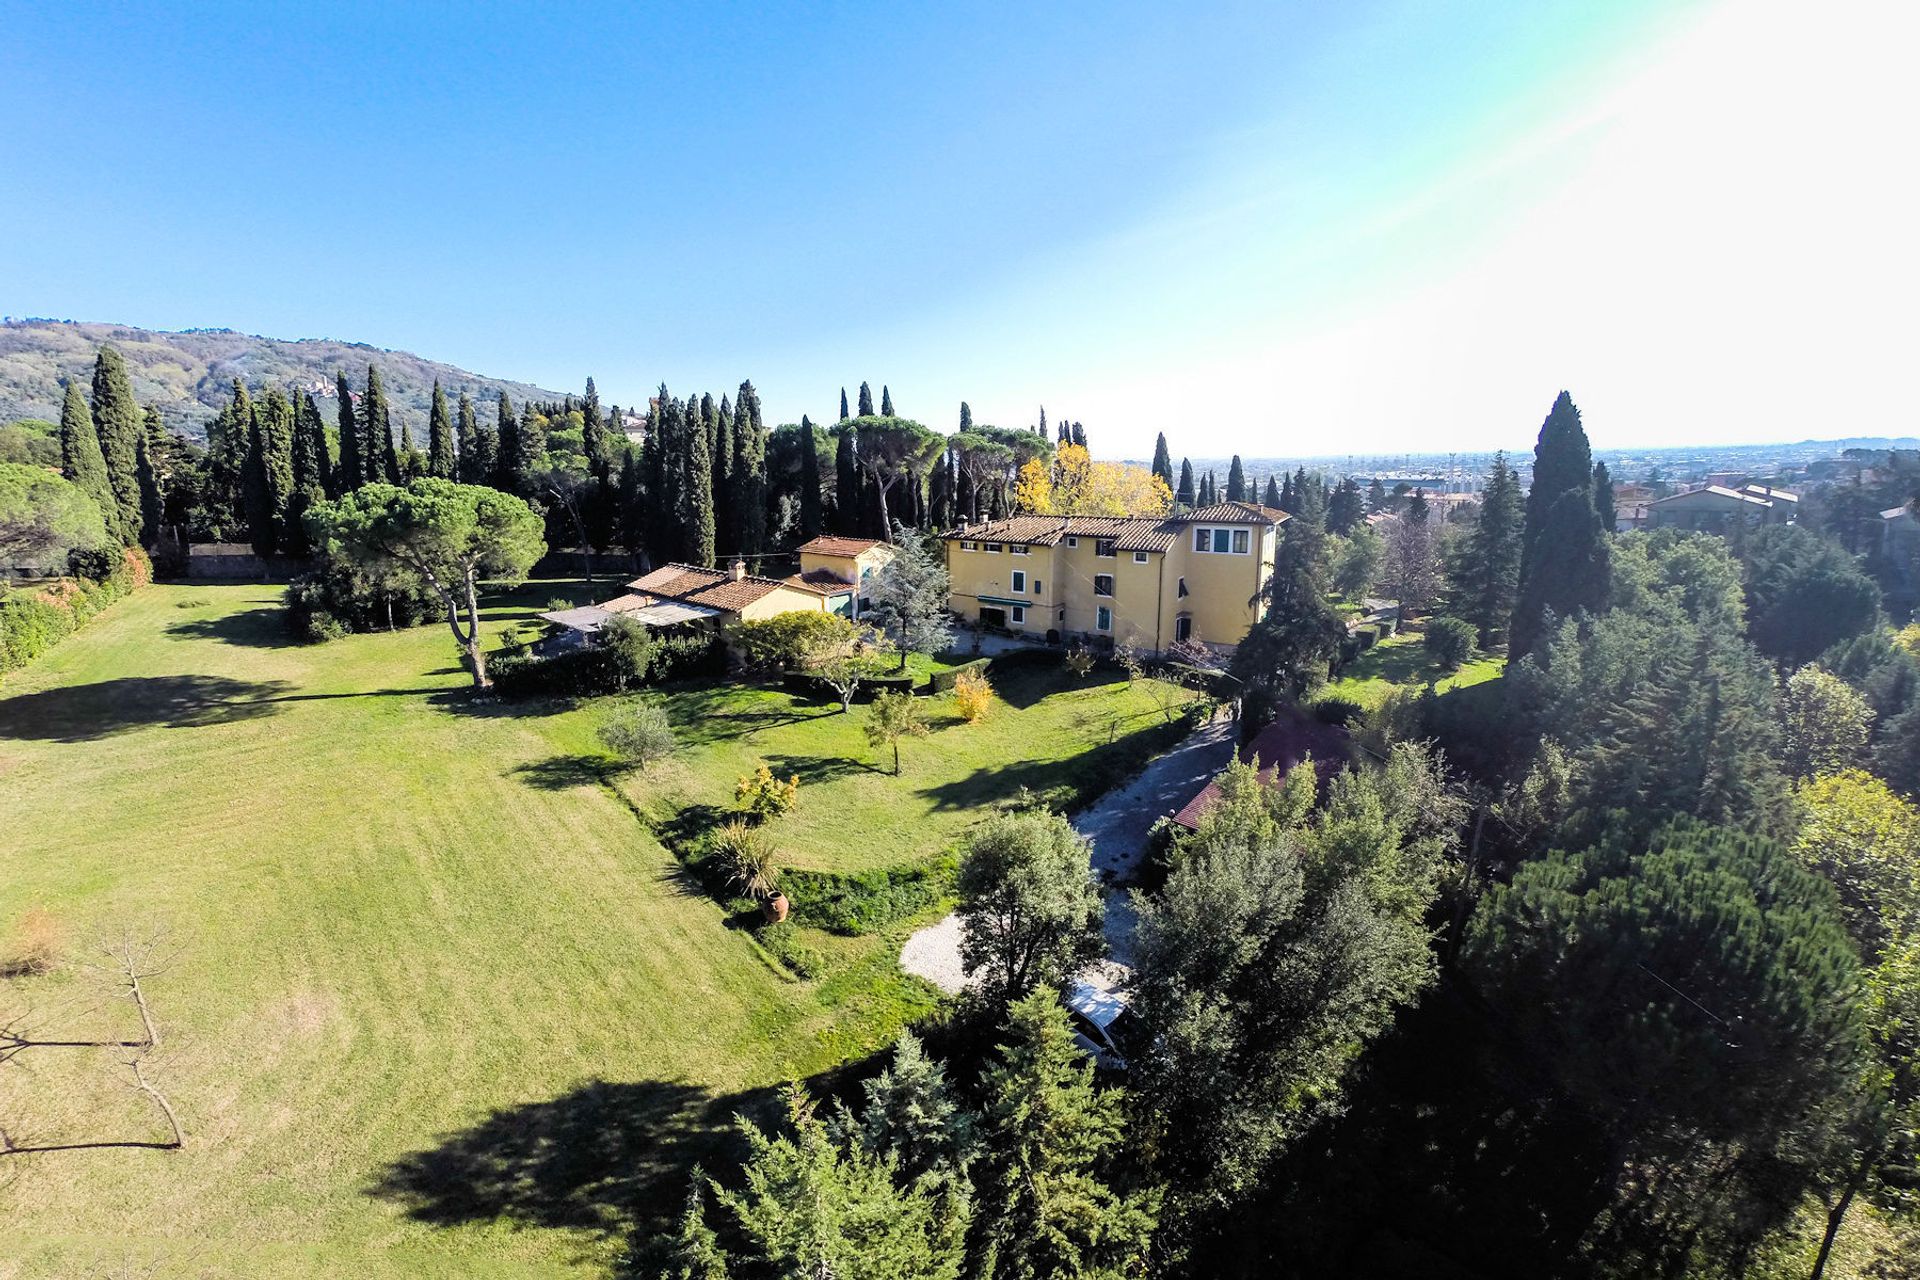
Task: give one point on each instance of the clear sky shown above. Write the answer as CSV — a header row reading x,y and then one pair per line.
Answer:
x,y
1264,228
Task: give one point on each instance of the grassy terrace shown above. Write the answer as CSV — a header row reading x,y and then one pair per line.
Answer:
x,y
1400,661
442,1004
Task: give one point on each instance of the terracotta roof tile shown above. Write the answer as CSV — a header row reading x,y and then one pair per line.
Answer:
x,y
1237,513
1280,746
819,580
714,588
829,545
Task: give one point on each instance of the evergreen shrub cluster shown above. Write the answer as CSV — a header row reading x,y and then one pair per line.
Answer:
x,y
32,622
867,901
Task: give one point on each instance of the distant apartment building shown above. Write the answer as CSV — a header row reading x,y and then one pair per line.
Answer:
x,y
1146,582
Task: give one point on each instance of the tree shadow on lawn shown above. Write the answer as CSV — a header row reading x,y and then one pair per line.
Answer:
x,y
813,769
716,712
563,773
86,712
1088,774
1023,686
262,627
611,1158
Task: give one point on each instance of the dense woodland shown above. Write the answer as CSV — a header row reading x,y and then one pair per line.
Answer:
x,y
1608,967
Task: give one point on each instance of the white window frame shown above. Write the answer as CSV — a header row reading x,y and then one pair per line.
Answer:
x,y
1139,557
1020,581
1203,539
969,546
1103,619
1017,548
1073,542
992,548
1242,542
1108,593
1019,615
1183,623
1104,548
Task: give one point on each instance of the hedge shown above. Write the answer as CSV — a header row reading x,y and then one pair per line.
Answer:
x,y
603,669
870,900
33,622
943,681
869,686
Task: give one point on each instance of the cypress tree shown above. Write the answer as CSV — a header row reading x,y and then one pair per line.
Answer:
x,y
152,500
532,442
718,421
1562,460
846,480
866,401
1185,496
594,439
1376,496
812,509
506,451
658,482
1080,435
749,497
1603,508
696,493
1488,573
1206,489
966,417
80,458
886,401
1236,481
117,417
353,470
1272,496
1288,498
1042,428
632,520
467,433
440,451
376,427
267,478
309,454
1162,460
227,442
844,415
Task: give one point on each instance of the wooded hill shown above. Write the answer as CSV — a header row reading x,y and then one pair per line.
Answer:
x,y
189,375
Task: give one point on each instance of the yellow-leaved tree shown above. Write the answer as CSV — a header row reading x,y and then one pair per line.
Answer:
x,y
1077,485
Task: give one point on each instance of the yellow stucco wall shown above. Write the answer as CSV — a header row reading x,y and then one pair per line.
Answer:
x,y
1145,603
783,600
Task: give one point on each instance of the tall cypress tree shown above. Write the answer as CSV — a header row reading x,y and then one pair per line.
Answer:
x,y
1487,574
80,458
467,434
1185,496
966,417
886,401
1080,435
309,454
1042,428
749,470
1236,481
506,447
1162,460
153,436
227,442
1376,496
846,486
844,415
696,493
718,420
376,430
531,459
117,417
1271,497
1288,498
659,482
1564,564
631,523
440,452
1603,508
268,474
353,469
866,401
594,439
812,507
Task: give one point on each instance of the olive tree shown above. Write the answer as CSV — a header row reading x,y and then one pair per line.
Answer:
x,y
449,535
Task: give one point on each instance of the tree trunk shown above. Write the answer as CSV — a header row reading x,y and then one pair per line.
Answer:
x,y
896,757
880,486
1838,1214
477,658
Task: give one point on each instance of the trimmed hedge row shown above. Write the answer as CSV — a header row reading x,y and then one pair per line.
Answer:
x,y
32,622
604,669
801,682
943,681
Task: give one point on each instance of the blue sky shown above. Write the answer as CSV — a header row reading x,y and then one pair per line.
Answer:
x,y
1265,228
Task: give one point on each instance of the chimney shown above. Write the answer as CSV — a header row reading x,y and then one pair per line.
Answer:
x,y
739,568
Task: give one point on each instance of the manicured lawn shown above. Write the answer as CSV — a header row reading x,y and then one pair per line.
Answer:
x,y
442,1004
1401,661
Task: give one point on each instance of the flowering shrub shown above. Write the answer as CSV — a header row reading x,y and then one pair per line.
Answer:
x,y
765,797
972,695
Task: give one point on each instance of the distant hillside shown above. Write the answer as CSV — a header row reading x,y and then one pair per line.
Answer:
x,y
190,375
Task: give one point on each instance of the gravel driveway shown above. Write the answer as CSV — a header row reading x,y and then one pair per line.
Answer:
x,y
1116,825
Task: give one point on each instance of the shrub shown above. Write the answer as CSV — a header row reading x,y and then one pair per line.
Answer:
x,y
972,695
748,859
869,901
356,600
944,681
639,735
36,946
763,797
782,642
1338,711
1079,661
29,626
1450,641
782,941
1365,637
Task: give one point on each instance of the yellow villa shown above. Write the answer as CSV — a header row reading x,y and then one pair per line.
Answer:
x,y
1148,582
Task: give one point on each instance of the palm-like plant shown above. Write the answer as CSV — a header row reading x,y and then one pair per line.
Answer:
x,y
750,860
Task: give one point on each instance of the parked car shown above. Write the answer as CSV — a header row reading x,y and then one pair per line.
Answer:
x,y
1097,1008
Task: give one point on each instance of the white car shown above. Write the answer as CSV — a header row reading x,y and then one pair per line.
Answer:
x,y
1097,1008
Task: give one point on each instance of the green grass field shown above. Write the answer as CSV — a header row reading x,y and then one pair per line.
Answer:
x,y
437,1006
1400,661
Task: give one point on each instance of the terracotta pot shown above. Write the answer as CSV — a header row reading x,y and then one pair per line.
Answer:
x,y
775,908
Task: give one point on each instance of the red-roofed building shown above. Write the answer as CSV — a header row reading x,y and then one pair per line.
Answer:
x,y
1293,737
